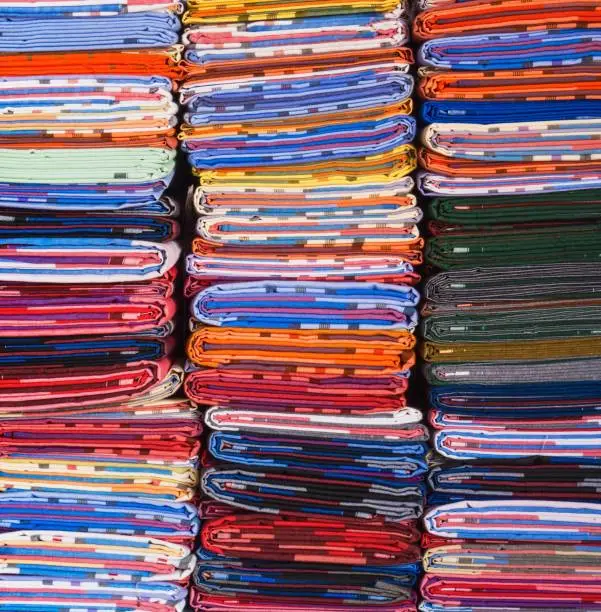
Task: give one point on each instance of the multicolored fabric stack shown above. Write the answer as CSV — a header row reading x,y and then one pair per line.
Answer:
x,y
302,306
510,159
97,465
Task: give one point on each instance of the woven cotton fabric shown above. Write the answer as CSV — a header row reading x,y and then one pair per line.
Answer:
x,y
509,91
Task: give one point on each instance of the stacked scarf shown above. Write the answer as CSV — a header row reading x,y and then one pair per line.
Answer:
x,y
511,164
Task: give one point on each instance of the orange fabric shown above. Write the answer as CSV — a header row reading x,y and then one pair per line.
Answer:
x,y
323,351
511,15
561,83
139,62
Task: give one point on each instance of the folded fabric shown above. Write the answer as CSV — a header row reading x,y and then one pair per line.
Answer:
x,y
229,603
73,512
146,406
549,178
509,15
33,389
515,480
151,229
562,348
563,421
81,8
504,560
314,94
540,48
391,268
311,540
580,205
544,402
521,284
47,310
102,437
264,39
142,199
131,62
286,144
400,425
355,459
285,493
54,33
200,11
73,554
518,593
552,245
97,260
278,389
535,371
296,305
306,205
531,84
124,165
311,583
102,480
522,520
454,111
86,111
332,352
515,442
513,325
54,594
534,141
392,233
363,170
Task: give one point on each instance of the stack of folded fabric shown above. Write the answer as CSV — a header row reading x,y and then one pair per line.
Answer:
x,y
97,464
302,308
511,161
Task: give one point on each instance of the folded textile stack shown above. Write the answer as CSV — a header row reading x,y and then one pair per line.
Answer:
x,y
302,308
97,465
511,160
512,555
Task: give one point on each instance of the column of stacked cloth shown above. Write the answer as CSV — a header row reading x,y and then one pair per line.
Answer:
x,y
511,319
97,464
297,125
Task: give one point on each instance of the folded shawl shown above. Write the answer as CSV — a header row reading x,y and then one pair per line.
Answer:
x,y
401,425
285,493
296,305
369,461
311,540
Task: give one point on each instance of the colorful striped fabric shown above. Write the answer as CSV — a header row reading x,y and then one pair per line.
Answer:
x,y
342,542
283,493
511,96
295,305
98,467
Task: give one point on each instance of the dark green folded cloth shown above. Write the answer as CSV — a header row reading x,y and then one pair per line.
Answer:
x,y
518,208
574,243
518,324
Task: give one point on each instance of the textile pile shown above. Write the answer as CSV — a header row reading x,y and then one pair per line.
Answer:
x,y
510,160
302,304
97,464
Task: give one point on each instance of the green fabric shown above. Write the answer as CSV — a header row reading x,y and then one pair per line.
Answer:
x,y
86,166
519,324
575,205
576,243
